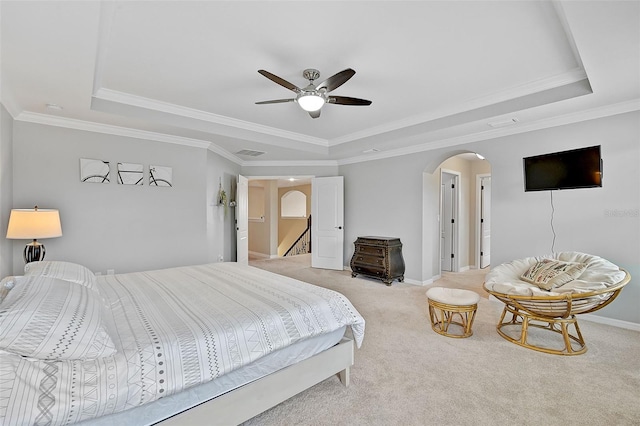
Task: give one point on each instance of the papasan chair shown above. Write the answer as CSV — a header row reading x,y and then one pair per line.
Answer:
x,y
547,292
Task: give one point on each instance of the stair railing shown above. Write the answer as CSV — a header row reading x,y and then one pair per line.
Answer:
x,y
302,244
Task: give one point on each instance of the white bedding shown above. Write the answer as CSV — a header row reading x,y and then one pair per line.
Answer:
x,y
163,408
172,329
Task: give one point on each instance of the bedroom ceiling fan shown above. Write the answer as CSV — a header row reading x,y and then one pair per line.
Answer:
x,y
312,97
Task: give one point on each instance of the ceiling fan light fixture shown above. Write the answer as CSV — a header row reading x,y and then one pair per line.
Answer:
x,y
310,101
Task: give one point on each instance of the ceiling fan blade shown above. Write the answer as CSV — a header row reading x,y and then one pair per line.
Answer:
x,y
344,100
336,80
314,114
280,81
275,101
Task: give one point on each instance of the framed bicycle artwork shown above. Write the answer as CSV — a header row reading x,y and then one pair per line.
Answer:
x,y
130,174
160,176
96,171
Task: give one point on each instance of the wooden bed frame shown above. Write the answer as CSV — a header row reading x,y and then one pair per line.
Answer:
x,y
247,401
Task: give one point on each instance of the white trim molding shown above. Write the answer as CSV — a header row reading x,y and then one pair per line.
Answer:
x,y
610,321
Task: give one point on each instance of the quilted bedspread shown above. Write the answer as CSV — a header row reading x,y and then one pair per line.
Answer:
x,y
172,329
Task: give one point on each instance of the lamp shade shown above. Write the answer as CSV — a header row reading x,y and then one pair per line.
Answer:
x,y
31,224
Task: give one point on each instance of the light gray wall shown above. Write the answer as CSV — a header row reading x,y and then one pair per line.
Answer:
x,y
6,190
113,226
584,219
394,197
221,230
384,198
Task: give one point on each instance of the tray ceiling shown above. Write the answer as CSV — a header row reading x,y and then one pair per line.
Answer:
x,y
438,73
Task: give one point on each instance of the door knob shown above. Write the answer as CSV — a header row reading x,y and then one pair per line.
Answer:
x,y
339,227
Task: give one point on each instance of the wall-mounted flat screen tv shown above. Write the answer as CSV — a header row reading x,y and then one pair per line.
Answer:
x,y
577,168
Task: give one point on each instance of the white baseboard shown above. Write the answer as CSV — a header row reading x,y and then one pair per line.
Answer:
x,y
610,321
423,283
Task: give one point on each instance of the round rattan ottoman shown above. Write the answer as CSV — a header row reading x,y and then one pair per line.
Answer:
x,y
447,303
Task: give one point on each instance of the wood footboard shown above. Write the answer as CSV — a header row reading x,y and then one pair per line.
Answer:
x,y
245,402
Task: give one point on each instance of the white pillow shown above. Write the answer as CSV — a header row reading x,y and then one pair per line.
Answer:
x,y
52,319
62,270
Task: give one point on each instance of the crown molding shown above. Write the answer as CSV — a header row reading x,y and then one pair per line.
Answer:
x,y
195,114
529,88
575,117
72,123
89,126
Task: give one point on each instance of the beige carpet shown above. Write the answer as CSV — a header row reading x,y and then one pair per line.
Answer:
x,y
406,374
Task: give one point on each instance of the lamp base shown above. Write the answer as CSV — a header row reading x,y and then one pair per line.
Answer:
x,y
33,252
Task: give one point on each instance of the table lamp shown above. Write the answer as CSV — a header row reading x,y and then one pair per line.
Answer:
x,y
26,224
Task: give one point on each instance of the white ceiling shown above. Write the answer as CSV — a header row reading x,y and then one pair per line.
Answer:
x,y
438,72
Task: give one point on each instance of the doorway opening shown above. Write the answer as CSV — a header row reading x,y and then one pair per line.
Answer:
x,y
272,230
483,233
449,212
274,227
463,215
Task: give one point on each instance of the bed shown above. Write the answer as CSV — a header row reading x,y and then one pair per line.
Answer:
x,y
215,343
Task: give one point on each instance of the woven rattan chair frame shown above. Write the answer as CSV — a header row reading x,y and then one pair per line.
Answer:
x,y
442,316
556,313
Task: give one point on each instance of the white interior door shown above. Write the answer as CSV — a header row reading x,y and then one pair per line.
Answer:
x,y
242,220
485,222
448,217
327,222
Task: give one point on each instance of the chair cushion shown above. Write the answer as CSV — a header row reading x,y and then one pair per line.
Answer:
x,y
600,274
549,273
453,296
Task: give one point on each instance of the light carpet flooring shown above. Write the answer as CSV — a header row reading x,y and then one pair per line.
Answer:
x,y
406,374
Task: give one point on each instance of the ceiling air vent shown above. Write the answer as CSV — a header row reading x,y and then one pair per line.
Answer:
x,y
250,153
503,123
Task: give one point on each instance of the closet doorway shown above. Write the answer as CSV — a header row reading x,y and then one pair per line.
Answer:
x,y
449,202
484,221
461,220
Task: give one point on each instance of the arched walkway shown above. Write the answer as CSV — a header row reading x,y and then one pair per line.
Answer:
x,y
453,221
